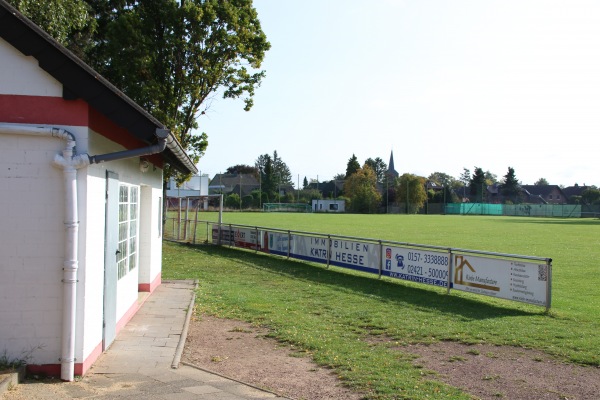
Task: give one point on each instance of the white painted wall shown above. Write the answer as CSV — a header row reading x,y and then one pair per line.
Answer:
x,y
22,75
150,233
32,247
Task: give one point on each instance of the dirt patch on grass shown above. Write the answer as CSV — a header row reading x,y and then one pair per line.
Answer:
x,y
493,372
243,352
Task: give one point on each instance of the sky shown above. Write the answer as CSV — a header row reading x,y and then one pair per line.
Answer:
x,y
445,85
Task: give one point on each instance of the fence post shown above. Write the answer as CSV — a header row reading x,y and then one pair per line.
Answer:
x,y
256,239
380,258
328,250
450,269
179,219
289,244
220,230
549,284
185,222
196,222
230,236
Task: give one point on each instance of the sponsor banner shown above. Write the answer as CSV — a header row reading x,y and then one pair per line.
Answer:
x,y
238,237
343,253
507,279
277,243
409,264
361,256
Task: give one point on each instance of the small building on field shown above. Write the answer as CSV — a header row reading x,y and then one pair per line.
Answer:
x,y
81,171
328,205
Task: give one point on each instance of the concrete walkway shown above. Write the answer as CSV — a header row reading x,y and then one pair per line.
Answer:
x,y
142,362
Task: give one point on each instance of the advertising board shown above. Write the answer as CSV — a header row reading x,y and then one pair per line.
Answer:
x,y
502,276
361,256
416,265
507,279
238,237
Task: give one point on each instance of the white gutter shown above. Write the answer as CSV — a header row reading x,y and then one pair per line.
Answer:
x,y
69,163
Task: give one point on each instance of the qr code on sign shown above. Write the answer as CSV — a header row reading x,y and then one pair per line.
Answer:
x,y
542,273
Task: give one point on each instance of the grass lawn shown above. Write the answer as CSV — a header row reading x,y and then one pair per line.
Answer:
x,y
329,312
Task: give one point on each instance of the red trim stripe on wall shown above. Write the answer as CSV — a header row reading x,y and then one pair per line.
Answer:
x,y
57,111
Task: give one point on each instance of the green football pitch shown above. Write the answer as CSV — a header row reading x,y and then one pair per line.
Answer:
x,y
302,303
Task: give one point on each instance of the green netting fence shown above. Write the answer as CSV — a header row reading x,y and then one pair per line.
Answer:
x,y
524,210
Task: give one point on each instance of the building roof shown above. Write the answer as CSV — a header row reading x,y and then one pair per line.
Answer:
x,y
574,190
80,81
391,171
228,182
541,190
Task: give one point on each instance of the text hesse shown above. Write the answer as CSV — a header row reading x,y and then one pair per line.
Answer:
x,y
346,257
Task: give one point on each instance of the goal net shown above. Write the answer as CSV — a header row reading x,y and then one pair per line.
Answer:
x,y
286,207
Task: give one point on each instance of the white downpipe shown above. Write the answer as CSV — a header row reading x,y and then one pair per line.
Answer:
x,y
69,165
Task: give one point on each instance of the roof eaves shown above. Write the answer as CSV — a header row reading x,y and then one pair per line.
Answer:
x,y
81,81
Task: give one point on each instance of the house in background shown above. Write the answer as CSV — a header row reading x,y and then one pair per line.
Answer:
x,y
574,193
81,168
227,184
191,193
197,185
547,194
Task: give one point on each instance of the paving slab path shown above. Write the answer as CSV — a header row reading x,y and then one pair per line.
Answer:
x,y
143,362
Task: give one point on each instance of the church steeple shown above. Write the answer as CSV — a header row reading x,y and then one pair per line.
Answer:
x,y
391,171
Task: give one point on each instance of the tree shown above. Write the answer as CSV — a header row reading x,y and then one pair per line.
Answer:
x,y
61,19
305,183
442,179
447,195
172,57
233,201
339,177
465,178
281,169
308,195
411,189
379,167
361,188
274,173
590,196
242,169
490,178
477,184
352,166
264,164
541,182
510,186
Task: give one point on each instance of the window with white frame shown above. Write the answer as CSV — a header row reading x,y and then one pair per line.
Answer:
x,y
128,229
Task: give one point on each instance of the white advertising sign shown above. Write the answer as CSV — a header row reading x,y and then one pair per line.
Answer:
x,y
361,256
415,265
239,237
513,280
343,253
277,243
